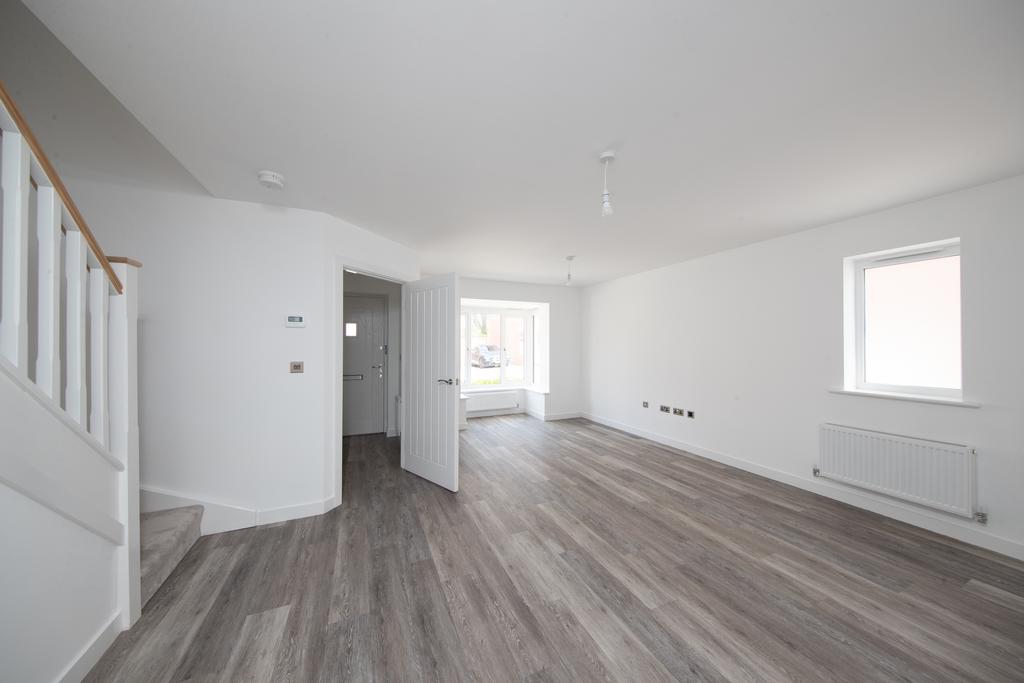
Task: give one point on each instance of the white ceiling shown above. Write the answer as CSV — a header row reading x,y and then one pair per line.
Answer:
x,y
470,129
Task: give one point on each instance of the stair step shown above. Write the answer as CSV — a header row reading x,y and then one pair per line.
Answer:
x,y
166,535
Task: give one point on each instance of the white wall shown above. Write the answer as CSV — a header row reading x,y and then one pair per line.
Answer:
x,y
59,539
223,422
752,340
564,398
361,284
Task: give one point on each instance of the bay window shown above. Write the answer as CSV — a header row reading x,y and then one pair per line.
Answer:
x,y
497,347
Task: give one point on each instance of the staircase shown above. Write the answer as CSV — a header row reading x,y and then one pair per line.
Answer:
x,y
69,427
166,536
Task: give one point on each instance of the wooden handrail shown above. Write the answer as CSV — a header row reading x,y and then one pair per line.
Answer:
x,y
128,260
58,185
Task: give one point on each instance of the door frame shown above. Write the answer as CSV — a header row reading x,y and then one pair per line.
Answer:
x,y
333,383
387,356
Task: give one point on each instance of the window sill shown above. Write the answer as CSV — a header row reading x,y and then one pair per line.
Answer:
x,y
490,388
935,400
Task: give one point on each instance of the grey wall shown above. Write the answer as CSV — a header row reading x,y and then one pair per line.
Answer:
x,y
84,130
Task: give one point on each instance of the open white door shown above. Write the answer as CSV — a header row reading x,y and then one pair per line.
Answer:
x,y
430,379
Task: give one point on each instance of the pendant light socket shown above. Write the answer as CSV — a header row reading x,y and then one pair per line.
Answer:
x,y
607,157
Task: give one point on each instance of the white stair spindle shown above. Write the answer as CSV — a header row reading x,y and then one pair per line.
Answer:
x,y
75,399
14,175
98,319
48,229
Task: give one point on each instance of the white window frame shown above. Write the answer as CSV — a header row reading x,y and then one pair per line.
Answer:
x,y
855,267
528,342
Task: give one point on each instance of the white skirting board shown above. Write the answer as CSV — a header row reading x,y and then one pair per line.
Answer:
x,y
92,652
561,416
218,517
546,417
492,413
965,531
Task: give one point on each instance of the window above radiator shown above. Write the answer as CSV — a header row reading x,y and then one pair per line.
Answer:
x,y
903,321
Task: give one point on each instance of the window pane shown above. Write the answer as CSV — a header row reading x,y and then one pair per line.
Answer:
x,y
515,350
464,342
484,348
912,324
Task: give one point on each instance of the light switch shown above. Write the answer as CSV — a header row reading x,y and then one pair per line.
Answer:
x,y
296,366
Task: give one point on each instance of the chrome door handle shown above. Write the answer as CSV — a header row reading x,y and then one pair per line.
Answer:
x,y
378,366
447,381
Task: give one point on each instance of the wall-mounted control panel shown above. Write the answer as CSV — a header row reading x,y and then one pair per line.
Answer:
x,y
296,366
666,409
295,320
645,404
678,411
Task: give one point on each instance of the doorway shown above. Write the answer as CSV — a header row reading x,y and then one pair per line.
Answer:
x,y
370,337
398,371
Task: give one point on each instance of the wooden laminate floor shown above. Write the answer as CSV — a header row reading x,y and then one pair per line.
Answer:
x,y
576,552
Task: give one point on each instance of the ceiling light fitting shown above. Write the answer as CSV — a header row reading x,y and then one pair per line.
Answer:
x,y
606,198
271,179
568,275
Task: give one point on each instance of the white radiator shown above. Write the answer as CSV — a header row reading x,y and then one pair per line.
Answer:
x,y
931,473
492,400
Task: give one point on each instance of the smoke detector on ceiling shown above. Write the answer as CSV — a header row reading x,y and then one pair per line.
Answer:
x,y
271,179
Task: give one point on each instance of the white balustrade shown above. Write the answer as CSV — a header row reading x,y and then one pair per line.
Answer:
x,y
87,309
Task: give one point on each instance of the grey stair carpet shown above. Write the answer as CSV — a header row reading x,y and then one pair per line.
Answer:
x,y
166,536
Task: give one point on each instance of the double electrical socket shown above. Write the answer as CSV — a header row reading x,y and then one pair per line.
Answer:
x,y
675,411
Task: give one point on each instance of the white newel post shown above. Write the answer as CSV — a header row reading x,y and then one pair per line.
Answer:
x,y
123,388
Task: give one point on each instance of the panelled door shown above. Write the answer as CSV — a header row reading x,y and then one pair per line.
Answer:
x,y
364,360
430,379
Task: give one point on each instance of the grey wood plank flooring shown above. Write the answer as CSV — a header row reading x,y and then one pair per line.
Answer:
x,y
575,552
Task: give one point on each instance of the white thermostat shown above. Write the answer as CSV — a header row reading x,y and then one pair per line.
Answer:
x,y
295,321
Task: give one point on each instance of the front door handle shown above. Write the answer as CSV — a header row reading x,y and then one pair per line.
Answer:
x,y
447,381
